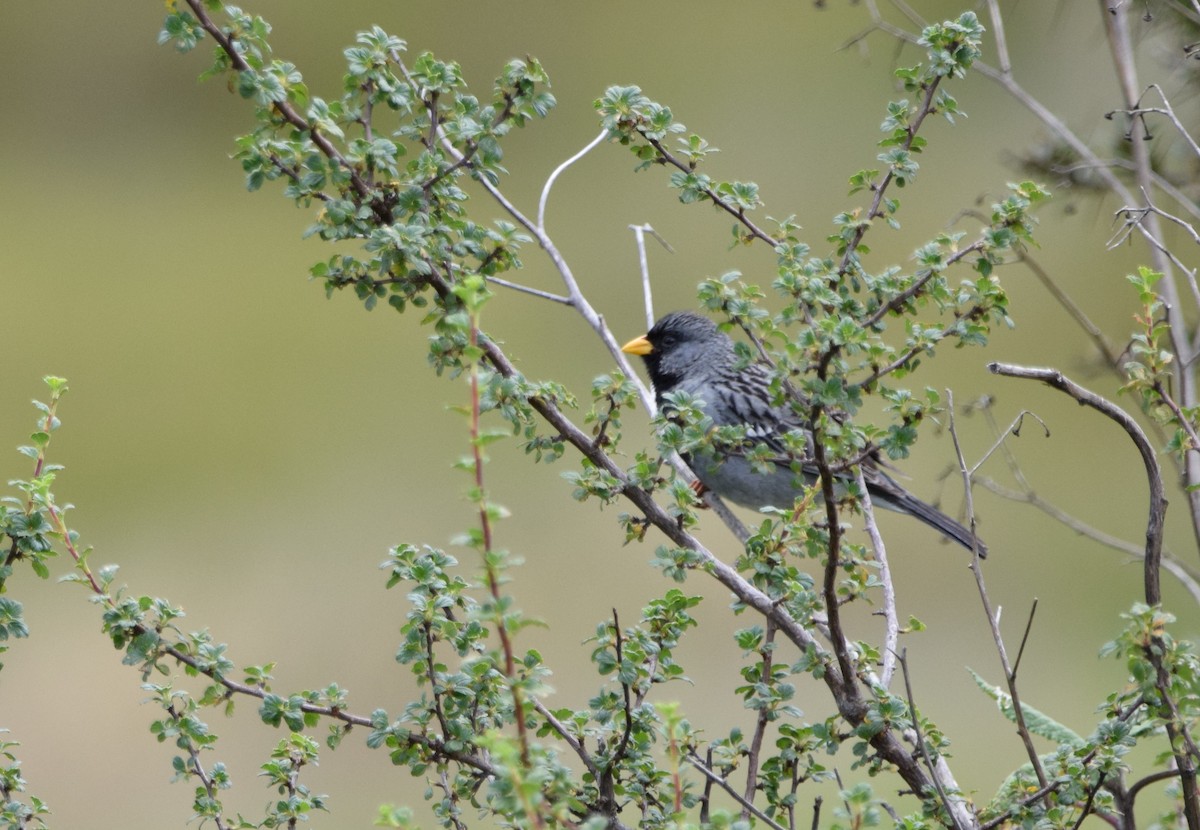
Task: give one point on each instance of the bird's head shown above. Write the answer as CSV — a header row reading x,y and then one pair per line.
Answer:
x,y
681,344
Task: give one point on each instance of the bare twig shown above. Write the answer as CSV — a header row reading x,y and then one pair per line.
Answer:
x,y
968,495
922,747
1160,182
1187,577
993,616
1001,442
525,289
639,232
1099,339
1135,219
891,631
1025,637
1001,40
712,776
591,145
1166,111
1158,500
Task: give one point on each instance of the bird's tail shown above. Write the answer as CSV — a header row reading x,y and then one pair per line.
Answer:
x,y
896,498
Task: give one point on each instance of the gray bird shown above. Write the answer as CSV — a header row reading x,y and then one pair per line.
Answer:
x,y
685,352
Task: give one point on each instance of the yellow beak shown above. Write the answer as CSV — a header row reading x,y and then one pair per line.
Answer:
x,y
638,345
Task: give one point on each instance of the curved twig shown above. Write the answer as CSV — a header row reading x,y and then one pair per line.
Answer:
x,y
591,145
1158,499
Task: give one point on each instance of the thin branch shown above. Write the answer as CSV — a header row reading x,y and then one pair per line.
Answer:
x,y
289,113
968,495
293,174
765,678
1032,798
712,776
921,744
1099,339
431,675
639,232
880,189
434,745
993,618
1161,183
1135,218
1158,500
565,734
197,769
1167,112
904,358
536,292
591,145
1152,778
898,301
1187,576
490,568
574,294
891,632
627,708
1001,39
1025,637
450,797
1086,810
833,547
667,157
1000,443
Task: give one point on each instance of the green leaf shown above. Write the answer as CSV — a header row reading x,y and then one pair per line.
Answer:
x,y
1037,722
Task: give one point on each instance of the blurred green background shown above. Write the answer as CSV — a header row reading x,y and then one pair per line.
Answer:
x,y
250,450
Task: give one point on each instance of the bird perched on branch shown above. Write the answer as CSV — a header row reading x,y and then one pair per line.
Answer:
x,y
685,352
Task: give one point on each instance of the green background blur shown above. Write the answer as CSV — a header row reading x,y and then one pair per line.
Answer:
x,y
250,450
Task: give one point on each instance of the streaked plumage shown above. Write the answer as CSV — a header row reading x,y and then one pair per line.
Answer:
x,y
685,352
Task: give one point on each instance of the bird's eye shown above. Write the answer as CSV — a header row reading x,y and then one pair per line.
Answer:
x,y
668,340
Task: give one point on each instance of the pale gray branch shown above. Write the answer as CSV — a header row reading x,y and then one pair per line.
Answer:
x,y
591,145
891,631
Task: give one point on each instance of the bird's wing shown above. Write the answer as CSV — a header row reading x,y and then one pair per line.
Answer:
x,y
745,402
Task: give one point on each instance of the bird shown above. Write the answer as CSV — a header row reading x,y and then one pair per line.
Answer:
x,y
687,352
